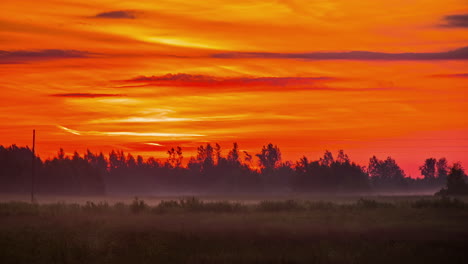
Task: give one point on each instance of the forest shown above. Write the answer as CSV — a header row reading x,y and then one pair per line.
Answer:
x,y
212,172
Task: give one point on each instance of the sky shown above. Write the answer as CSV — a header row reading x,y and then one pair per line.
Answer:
x,y
384,78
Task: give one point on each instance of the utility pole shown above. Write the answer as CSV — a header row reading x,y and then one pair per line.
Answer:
x,y
33,165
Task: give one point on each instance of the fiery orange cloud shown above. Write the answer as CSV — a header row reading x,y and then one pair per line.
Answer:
x,y
370,77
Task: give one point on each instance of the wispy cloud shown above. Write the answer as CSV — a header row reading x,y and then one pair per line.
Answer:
x,y
154,144
71,131
128,133
167,119
183,77
119,14
457,54
215,84
228,84
454,75
456,21
21,56
141,120
148,146
85,95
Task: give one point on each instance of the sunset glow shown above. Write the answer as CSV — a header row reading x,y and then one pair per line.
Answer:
x,y
385,78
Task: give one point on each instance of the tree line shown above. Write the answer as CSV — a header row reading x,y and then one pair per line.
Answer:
x,y
211,171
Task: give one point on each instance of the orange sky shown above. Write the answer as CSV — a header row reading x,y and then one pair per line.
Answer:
x,y
369,77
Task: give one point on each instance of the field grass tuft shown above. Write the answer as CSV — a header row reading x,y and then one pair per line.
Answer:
x,y
191,230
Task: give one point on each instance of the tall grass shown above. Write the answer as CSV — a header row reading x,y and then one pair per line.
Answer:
x,y
190,230
194,205
442,202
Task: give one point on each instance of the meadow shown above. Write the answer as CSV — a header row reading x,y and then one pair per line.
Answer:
x,y
377,229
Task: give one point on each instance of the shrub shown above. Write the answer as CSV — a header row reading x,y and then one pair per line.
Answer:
x,y
320,205
18,208
191,203
138,206
195,205
120,207
274,206
443,202
96,208
164,206
372,204
220,207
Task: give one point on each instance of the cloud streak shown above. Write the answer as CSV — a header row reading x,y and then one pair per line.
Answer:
x,y
167,119
456,21
85,95
22,56
182,77
455,75
119,14
189,80
457,54
207,83
127,133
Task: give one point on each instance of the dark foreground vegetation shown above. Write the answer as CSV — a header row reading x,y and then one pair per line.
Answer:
x,y
429,230
211,171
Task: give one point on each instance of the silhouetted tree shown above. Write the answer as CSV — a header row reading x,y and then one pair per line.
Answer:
x,y
327,159
456,182
175,157
117,160
217,153
205,156
428,170
140,161
76,175
247,158
15,169
269,157
131,162
341,158
442,168
386,174
328,175
233,156
61,154
152,163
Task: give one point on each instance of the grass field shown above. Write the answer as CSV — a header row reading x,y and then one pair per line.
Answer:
x,y
351,230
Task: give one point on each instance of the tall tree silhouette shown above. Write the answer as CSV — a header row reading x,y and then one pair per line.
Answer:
x,y
328,175
428,169
233,156
456,182
175,157
442,168
386,174
341,158
269,157
327,159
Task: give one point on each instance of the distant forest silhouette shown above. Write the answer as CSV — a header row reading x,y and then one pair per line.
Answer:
x,y
210,171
